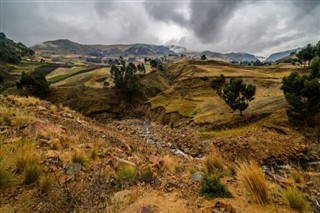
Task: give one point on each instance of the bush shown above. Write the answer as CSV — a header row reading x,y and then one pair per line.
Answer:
x,y
212,188
36,85
79,158
295,199
31,173
254,181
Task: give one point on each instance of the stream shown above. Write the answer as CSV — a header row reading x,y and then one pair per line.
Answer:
x,y
147,137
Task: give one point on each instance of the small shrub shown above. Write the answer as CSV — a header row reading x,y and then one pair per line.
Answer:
x,y
295,199
79,158
170,164
31,173
45,184
5,176
213,165
254,181
212,188
125,172
147,175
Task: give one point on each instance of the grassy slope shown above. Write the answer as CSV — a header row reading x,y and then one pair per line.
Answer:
x,y
192,96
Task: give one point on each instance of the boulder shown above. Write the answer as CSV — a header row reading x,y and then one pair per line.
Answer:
x,y
196,177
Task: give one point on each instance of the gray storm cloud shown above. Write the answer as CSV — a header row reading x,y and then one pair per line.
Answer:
x,y
259,27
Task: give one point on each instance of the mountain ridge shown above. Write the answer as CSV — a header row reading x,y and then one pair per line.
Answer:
x,y
66,46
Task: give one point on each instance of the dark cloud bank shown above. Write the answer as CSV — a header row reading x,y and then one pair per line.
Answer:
x,y
259,27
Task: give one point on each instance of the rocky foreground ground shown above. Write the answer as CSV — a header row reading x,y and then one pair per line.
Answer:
x,y
168,164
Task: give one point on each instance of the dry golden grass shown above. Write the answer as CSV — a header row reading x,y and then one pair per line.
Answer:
x,y
23,101
45,183
213,165
294,198
254,181
32,172
12,116
170,164
5,175
23,159
297,177
53,109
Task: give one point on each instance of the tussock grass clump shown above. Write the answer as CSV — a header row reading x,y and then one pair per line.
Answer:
x,y
31,173
297,177
5,176
254,181
14,117
126,172
295,199
45,184
23,159
53,109
170,164
213,165
79,158
211,187
147,175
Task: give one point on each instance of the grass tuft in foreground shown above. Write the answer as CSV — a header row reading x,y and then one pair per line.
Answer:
x,y
254,181
79,158
295,199
31,173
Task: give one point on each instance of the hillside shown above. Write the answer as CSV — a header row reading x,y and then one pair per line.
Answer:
x,y
276,56
12,52
230,56
122,166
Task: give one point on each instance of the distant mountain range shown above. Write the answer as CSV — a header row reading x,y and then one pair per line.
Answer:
x,y
230,56
276,56
64,46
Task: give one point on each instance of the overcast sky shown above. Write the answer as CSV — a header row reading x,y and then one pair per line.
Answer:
x,y
259,27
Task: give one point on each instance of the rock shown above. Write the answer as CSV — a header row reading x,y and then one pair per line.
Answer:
x,y
44,142
196,177
41,108
145,209
223,207
117,162
122,197
154,159
68,115
74,168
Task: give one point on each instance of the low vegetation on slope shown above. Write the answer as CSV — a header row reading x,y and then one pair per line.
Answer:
x,y
54,159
